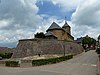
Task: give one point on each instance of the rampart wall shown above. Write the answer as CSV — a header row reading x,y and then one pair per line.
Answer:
x,y
30,47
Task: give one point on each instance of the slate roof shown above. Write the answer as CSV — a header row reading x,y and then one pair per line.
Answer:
x,y
79,39
54,26
57,27
49,34
65,25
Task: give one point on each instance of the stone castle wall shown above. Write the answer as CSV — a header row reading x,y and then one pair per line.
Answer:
x,y
30,47
6,50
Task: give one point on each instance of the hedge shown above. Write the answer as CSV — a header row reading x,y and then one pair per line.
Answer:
x,y
6,55
12,63
51,60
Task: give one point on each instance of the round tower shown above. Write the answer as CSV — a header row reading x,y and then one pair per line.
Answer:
x,y
66,27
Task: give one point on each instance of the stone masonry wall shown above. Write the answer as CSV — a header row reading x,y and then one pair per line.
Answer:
x,y
6,49
30,47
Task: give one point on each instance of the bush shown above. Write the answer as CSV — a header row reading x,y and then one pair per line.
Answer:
x,y
39,35
12,63
6,55
51,60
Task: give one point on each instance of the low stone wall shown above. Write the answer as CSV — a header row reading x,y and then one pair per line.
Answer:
x,y
30,47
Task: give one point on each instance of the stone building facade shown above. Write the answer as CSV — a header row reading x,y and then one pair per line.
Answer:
x,y
63,33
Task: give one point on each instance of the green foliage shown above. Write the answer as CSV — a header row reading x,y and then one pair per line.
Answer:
x,y
88,40
12,63
51,60
6,55
40,35
98,50
99,37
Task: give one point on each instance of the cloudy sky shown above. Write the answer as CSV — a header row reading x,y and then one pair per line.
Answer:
x,y
20,19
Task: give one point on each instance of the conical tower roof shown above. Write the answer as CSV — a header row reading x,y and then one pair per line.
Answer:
x,y
65,25
54,26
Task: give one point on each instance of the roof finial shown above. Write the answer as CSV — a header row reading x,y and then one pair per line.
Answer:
x,y
65,20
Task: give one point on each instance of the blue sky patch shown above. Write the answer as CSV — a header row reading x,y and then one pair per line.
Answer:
x,y
48,8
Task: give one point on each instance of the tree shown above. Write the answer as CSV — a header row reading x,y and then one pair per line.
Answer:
x,y
39,35
99,40
88,41
99,37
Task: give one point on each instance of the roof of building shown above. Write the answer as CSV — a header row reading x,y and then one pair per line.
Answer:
x,y
57,27
49,34
65,25
54,26
79,39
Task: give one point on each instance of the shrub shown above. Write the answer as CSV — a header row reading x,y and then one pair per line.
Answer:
x,y
39,35
6,55
51,60
12,63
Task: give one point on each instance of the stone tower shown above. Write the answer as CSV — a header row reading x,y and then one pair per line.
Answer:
x,y
66,27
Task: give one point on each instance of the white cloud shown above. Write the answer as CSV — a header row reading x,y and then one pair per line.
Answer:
x,y
87,13
66,5
18,20
86,18
47,22
4,23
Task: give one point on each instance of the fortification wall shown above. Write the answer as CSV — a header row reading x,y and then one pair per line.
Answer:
x,y
6,49
32,47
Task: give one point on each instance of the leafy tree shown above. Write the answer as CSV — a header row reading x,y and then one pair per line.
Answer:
x,y
99,40
99,37
39,35
88,41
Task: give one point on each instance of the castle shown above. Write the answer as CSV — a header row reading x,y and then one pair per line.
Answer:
x,y
58,41
56,32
